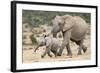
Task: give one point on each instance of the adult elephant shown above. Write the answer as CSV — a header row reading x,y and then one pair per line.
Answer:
x,y
73,28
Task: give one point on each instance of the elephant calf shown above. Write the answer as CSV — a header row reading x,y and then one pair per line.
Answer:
x,y
52,44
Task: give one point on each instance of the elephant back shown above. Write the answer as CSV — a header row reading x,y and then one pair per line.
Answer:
x,y
80,23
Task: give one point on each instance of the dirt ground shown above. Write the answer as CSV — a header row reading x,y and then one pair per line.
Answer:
x,y
29,56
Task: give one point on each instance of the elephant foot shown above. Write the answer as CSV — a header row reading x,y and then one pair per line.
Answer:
x,y
42,56
70,55
85,49
58,54
79,53
55,56
50,55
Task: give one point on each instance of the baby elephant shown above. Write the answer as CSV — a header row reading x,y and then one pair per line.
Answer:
x,y
52,44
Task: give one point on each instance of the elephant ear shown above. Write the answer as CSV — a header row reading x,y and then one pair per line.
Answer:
x,y
68,22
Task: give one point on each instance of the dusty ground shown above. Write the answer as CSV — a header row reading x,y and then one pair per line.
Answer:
x,y
29,56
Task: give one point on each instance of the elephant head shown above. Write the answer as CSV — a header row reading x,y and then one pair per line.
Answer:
x,y
56,28
41,42
62,23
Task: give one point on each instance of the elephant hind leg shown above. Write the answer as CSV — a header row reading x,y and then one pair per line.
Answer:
x,y
79,51
49,54
84,48
60,52
81,47
54,52
80,43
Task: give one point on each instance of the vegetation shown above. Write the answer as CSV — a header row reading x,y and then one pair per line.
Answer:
x,y
36,18
34,41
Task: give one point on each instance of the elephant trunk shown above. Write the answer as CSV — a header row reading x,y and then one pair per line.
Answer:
x,y
54,32
36,48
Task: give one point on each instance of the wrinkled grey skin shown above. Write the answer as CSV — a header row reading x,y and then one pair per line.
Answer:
x,y
73,28
52,44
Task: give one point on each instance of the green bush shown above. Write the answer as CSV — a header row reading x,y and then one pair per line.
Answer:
x,y
33,39
36,18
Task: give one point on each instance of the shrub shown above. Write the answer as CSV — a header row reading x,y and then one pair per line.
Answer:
x,y
33,39
36,18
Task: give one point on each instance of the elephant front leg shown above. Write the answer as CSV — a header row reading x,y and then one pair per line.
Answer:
x,y
61,49
69,52
46,51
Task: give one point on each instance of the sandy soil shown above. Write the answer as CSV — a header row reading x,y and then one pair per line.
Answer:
x,y
29,56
